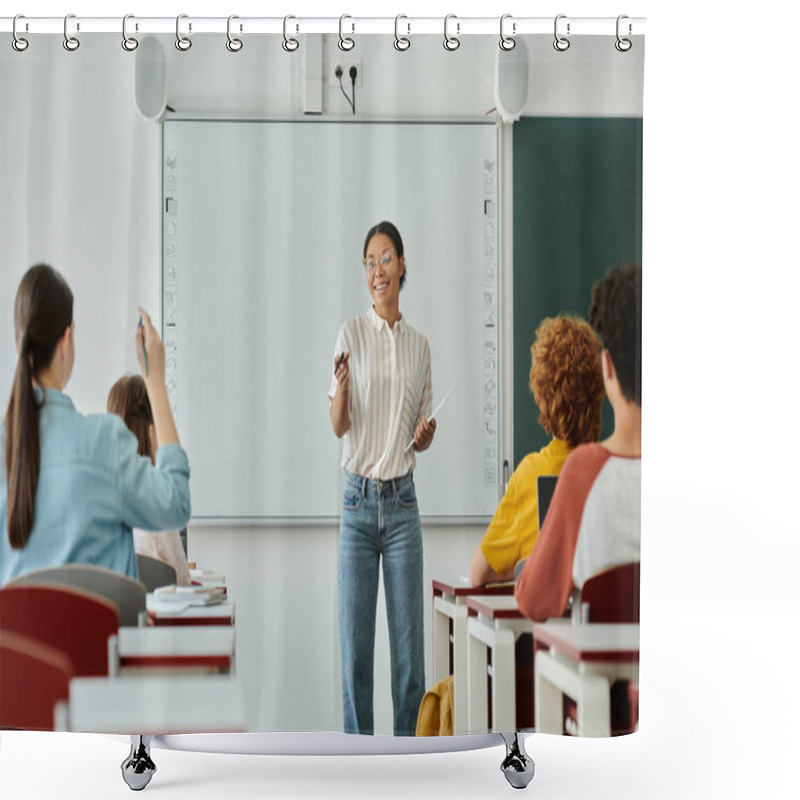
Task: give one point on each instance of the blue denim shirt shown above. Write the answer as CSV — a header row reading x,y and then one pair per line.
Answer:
x,y
93,489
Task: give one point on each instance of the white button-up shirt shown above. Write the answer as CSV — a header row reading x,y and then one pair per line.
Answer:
x,y
390,392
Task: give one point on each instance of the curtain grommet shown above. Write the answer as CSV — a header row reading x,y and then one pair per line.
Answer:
x,y
129,43
346,43
71,43
19,43
289,44
233,44
561,43
183,43
451,43
507,42
623,44
401,43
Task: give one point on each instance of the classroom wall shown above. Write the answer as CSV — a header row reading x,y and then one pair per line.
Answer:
x,y
88,202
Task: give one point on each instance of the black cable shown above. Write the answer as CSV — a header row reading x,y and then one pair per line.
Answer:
x,y
341,86
353,74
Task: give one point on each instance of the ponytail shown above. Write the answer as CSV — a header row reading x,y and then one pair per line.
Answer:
x,y
22,451
42,312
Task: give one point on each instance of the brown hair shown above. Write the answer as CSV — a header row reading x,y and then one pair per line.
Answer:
x,y
42,313
128,399
616,315
566,379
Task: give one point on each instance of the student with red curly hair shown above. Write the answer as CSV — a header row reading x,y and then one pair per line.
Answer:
x,y
567,385
594,519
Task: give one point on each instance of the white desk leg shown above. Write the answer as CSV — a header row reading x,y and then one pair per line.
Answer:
x,y
594,705
460,671
504,689
550,680
441,642
478,695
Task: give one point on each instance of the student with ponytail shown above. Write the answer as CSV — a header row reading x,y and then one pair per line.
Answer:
x,y
74,486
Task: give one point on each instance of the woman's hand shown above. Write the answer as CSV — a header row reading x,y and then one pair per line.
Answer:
x,y
341,369
149,342
340,405
423,435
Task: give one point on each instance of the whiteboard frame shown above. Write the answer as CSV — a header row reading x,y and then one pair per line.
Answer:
x,y
504,195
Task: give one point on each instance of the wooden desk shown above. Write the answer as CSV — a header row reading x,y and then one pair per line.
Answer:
x,y
450,639
162,614
493,628
156,705
583,662
173,648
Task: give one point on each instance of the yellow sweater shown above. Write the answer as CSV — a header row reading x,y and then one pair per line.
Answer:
x,y
436,710
514,528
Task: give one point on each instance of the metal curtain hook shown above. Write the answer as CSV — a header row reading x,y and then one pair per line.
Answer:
x,y
182,42
623,45
70,42
129,43
345,42
401,42
18,43
289,43
451,42
233,44
507,42
561,43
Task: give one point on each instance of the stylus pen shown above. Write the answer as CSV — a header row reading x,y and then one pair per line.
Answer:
x,y
339,362
144,350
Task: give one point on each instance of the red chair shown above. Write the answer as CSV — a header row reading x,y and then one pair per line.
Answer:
x,y
76,622
127,594
633,702
34,678
612,595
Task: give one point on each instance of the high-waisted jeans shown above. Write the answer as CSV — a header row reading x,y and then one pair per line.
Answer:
x,y
381,519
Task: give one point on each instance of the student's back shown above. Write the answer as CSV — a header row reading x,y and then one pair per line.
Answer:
x,y
93,489
594,519
73,486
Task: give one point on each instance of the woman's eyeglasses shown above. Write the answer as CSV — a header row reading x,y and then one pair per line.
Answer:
x,y
385,260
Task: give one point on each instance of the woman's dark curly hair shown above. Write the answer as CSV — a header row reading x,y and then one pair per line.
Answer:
x,y
566,379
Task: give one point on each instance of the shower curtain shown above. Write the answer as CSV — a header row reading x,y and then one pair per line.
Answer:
x,y
227,177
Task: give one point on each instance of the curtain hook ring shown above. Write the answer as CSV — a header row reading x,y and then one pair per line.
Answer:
x,y
346,43
129,43
183,43
233,44
71,43
623,44
451,42
18,42
289,44
561,43
507,42
401,42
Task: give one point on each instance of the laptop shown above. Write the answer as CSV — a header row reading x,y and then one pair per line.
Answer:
x,y
545,486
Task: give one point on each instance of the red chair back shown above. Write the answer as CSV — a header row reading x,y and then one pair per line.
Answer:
x,y
612,595
71,620
33,679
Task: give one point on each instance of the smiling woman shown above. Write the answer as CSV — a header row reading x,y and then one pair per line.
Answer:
x,y
378,411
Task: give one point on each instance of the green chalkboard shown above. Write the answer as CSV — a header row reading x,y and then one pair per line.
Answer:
x,y
577,212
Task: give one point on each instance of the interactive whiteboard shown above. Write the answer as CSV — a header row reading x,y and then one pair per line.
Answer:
x,y
263,231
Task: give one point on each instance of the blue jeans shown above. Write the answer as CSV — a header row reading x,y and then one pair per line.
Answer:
x,y
380,518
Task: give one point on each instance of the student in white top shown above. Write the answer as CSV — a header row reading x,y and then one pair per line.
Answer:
x,y
380,395
128,399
